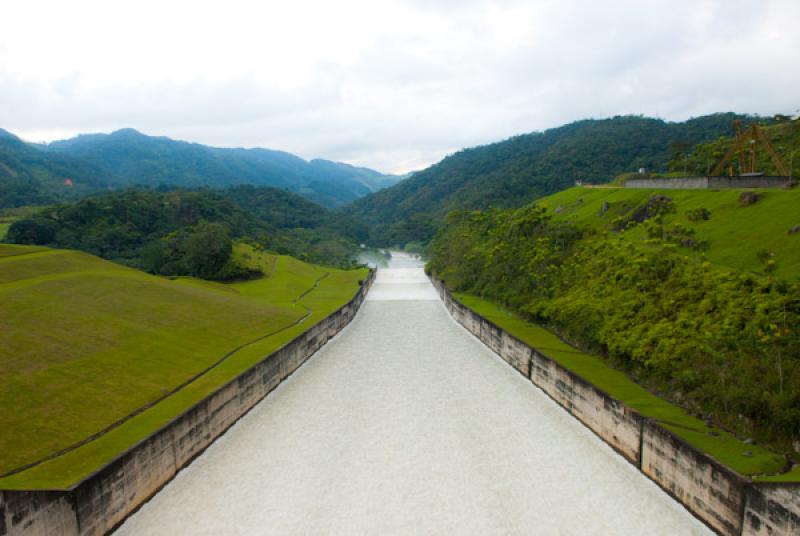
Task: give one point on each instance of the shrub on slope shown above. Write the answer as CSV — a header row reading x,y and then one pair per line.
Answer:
x,y
723,343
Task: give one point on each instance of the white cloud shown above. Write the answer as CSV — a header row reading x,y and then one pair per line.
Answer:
x,y
393,85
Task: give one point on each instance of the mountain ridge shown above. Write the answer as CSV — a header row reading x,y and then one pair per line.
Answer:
x,y
520,169
127,157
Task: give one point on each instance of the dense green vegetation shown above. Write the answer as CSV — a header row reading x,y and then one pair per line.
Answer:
x,y
32,174
191,232
118,339
314,234
700,160
721,342
7,217
746,459
518,170
694,295
131,158
735,236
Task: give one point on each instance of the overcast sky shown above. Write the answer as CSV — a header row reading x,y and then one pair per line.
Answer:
x,y
394,85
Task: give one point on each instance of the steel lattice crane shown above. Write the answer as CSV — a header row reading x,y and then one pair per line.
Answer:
x,y
749,138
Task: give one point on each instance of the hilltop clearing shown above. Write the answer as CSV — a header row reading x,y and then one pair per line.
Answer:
x,y
739,229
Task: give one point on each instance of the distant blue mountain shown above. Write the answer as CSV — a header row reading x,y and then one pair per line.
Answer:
x,y
31,176
128,157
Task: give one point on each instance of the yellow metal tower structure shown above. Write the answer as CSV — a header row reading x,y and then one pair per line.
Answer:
x,y
749,140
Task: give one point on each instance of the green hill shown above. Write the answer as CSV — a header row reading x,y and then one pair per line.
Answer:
x,y
693,293
171,232
784,136
85,342
131,158
30,176
516,171
733,235
34,174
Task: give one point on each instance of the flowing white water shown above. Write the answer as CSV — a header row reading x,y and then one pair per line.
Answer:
x,y
406,424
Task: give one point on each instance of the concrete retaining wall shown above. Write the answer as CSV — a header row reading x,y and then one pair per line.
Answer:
x,y
773,509
748,182
683,183
708,489
104,499
727,502
49,513
708,183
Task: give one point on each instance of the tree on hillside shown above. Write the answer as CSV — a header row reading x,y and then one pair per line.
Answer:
x,y
200,251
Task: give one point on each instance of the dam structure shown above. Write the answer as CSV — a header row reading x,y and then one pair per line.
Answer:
x,y
405,423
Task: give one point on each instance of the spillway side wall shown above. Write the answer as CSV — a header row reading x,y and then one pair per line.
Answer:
x,y
712,492
615,423
103,500
45,513
773,509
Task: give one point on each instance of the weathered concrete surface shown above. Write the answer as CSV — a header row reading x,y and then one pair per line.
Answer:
x,y
680,183
616,424
773,509
707,488
40,513
708,183
405,424
105,499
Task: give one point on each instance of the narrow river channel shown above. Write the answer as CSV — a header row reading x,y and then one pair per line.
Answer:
x,y
406,424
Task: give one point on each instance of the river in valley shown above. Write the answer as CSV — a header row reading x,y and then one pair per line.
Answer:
x,y
406,424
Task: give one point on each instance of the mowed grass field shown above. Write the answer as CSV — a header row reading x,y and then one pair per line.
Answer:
x,y
744,458
734,233
85,342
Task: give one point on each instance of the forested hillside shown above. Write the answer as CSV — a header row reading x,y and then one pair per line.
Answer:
x,y
694,293
784,137
191,232
518,170
133,158
29,176
33,174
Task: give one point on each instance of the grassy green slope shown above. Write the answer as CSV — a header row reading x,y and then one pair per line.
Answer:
x,y
126,338
518,170
734,233
744,458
